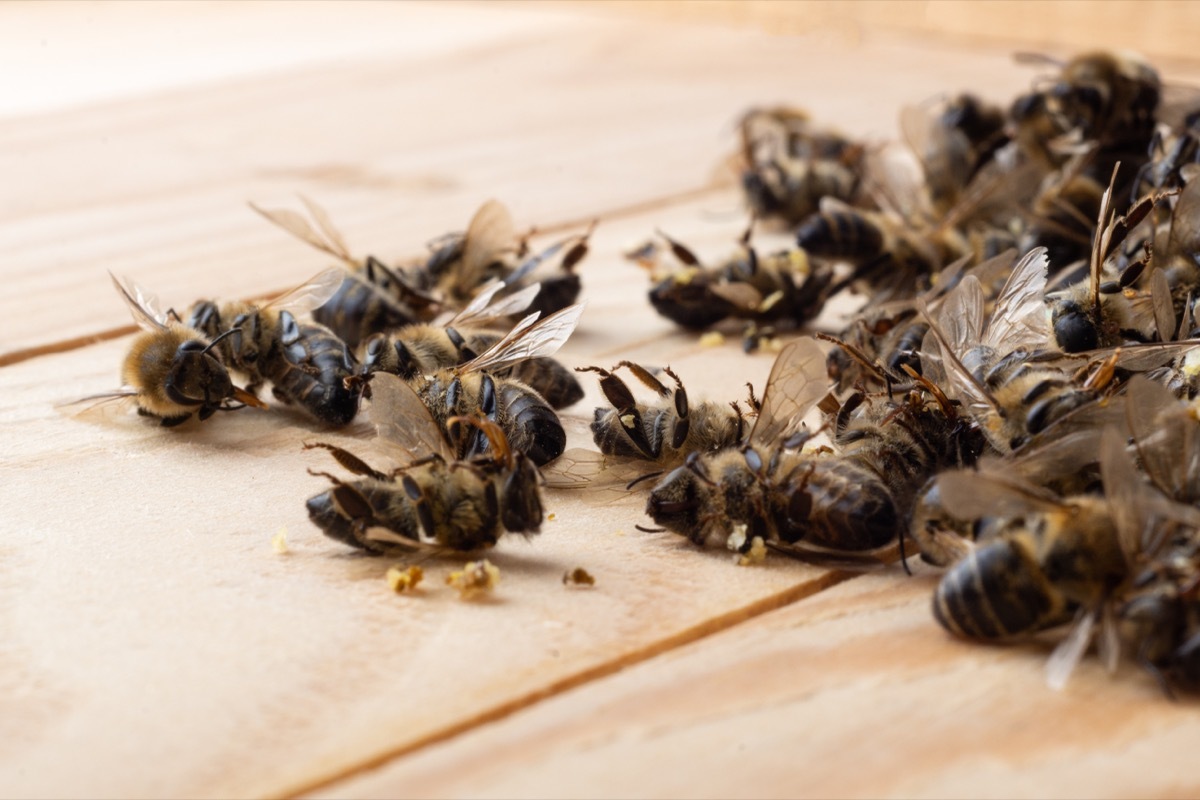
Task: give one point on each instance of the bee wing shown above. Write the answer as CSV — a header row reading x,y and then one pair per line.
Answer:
x,y
313,293
975,495
1125,492
1020,319
1066,655
481,311
579,468
295,224
1041,462
961,318
531,338
534,261
142,305
1185,223
837,559
490,235
963,314
1163,305
797,382
1166,437
1031,59
403,421
93,403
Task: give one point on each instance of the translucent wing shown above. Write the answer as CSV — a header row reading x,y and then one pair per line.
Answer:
x,y
579,468
531,338
534,261
490,237
1184,239
295,224
1020,319
797,382
1166,437
332,235
1067,654
142,305
961,318
402,421
1049,461
1124,489
482,311
975,495
961,384
313,293
1164,306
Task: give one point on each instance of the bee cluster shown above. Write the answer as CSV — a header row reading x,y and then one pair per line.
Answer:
x,y
1016,402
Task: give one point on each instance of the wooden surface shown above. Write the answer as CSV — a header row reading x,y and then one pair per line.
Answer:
x,y
153,642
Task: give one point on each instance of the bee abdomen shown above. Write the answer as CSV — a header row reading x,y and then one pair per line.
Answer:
x,y
995,592
840,234
532,426
841,505
358,310
557,384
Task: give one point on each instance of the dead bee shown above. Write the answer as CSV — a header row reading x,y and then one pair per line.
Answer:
x,y
660,435
372,297
779,288
893,255
435,500
953,140
804,504
172,370
1108,97
1098,313
788,165
417,350
529,423
305,363
490,250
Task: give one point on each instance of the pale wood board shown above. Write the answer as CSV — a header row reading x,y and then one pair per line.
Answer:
x,y
855,692
154,643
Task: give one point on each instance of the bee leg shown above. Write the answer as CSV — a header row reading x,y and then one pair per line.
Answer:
x,y
679,432
421,506
464,352
171,422
618,394
644,375
348,460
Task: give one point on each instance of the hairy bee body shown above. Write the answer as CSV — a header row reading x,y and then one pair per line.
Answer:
x,y
1160,618
857,500
789,165
306,363
527,420
1034,576
455,505
175,375
425,349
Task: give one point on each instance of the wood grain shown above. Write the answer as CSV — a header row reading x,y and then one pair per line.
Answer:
x,y
855,692
155,645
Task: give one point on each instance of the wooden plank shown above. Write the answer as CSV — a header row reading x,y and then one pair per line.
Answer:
x,y
155,645
855,692
1157,28
572,117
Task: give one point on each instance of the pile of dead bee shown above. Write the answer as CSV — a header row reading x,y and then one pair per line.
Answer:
x,y
1015,404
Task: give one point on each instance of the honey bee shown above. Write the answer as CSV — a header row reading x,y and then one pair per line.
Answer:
x,y
490,250
895,256
804,504
1059,556
435,500
953,140
424,349
372,297
529,423
1108,97
781,288
788,165
1097,313
306,363
664,434
171,370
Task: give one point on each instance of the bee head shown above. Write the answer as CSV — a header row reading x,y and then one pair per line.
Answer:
x,y
326,515
1074,329
196,377
677,503
520,503
688,302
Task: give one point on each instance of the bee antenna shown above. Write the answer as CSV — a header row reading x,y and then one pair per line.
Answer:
x,y
224,335
903,554
650,530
